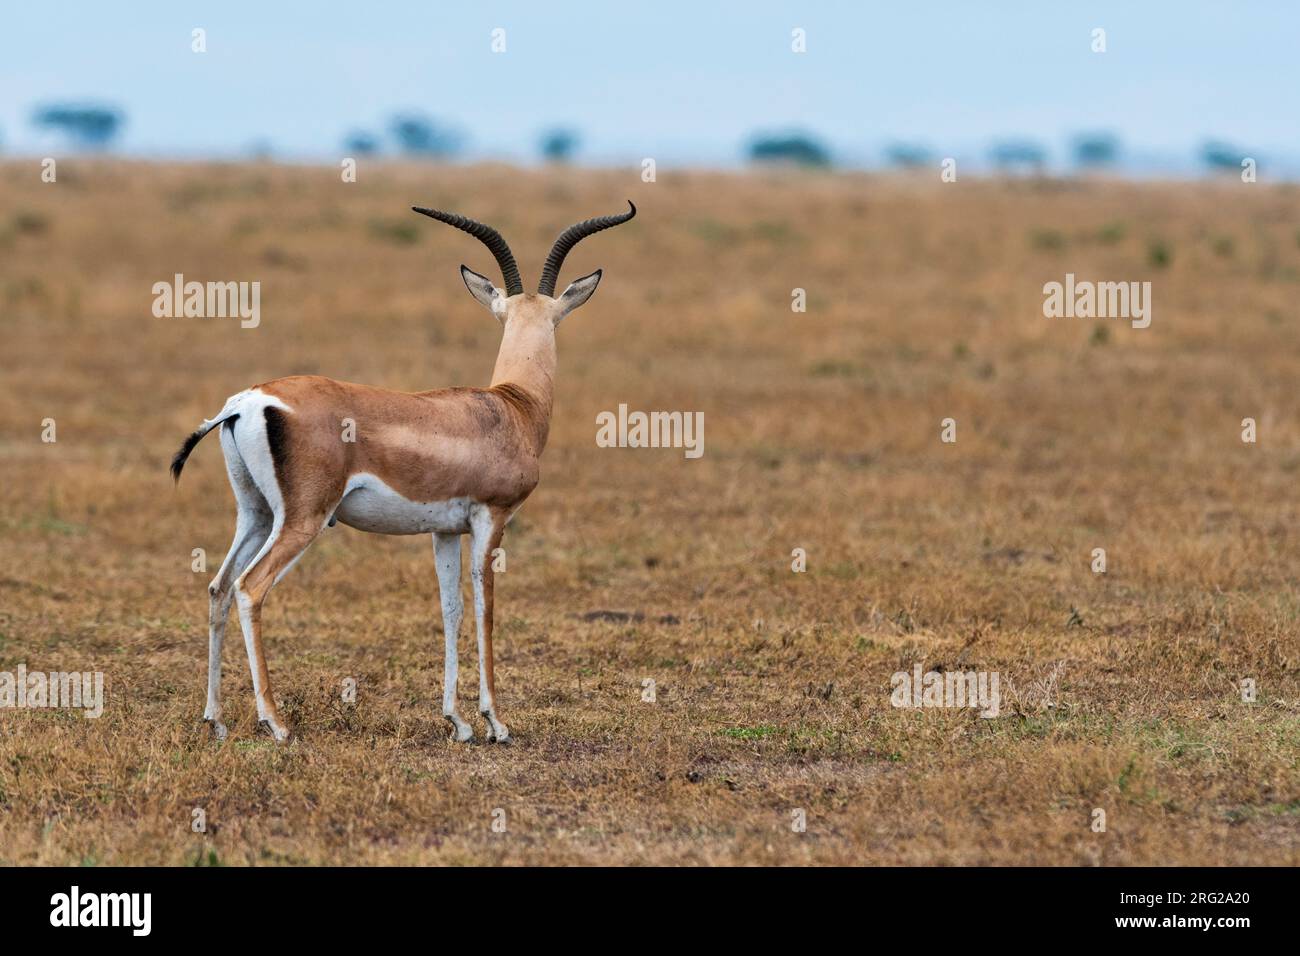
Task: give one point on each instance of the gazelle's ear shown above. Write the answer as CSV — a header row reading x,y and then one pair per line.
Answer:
x,y
481,288
578,292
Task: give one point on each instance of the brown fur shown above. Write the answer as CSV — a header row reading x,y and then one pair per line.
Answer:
x,y
428,446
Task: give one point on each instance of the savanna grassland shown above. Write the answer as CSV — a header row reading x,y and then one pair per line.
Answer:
x,y
1121,691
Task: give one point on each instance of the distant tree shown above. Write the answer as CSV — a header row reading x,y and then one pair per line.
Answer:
x,y
1218,155
360,143
1013,154
89,126
1095,149
907,155
418,135
559,145
800,149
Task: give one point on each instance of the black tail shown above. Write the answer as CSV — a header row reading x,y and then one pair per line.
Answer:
x,y
178,461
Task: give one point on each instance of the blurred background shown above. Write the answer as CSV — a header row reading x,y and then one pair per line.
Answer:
x,y
1181,89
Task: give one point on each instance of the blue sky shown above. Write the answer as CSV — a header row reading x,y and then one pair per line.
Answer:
x,y
684,82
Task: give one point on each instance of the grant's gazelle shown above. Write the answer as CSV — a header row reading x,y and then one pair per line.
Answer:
x,y
449,462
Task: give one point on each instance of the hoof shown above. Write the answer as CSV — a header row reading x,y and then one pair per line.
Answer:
x,y
282,735
217,727
497,732
461,732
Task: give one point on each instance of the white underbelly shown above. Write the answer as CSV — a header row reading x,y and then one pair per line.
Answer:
x,y
371,505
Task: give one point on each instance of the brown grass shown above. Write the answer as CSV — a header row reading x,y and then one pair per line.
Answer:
x,y
822,432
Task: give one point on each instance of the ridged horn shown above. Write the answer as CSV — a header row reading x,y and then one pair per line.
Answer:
x,y
489,237
570,238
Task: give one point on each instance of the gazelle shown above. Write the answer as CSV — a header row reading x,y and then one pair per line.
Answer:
x,y
451,461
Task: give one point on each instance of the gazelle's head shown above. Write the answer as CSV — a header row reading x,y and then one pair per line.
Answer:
x,y
543,309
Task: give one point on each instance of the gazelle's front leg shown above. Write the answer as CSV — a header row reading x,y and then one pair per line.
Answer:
x,y
446,555
486,526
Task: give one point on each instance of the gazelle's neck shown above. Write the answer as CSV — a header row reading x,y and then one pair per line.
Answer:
x,y
525,373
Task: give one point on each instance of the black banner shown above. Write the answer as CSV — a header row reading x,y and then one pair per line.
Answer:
x,y
1226,906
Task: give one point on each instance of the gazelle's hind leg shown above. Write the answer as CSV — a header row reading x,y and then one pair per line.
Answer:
x,y
294,526
252,526
285,546
486,526
446,553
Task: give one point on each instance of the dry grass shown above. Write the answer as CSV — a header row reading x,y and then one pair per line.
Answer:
x,y
822,432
